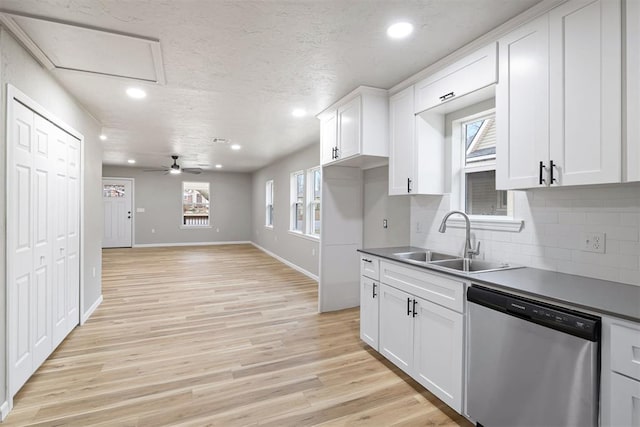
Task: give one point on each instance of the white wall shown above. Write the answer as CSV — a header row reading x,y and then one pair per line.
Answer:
x,y
296,249
554,220
378,205
161,197
19,69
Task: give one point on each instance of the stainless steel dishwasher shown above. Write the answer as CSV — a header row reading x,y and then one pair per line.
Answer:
x,y
530,363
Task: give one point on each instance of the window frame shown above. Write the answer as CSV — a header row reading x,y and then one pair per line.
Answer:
x,y
269,197
294,200
312,202
182,204
459,170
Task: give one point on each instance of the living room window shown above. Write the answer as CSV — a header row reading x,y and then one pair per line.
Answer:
x,y
196,200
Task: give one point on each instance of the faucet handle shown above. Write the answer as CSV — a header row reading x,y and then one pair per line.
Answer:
x,y
475,251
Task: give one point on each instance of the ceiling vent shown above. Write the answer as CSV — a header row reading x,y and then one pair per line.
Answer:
x,y
76,48
222,141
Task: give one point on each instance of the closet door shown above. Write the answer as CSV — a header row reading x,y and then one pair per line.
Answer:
x,y
42,236
60,226
20,251
73,233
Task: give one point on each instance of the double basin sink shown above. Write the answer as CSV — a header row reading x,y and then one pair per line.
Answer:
x,y
448,262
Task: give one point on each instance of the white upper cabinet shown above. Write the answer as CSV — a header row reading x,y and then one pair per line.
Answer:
x,y
633,90
522,105
402,126
328,137
467,75
349,127
558,101
354,131
585,92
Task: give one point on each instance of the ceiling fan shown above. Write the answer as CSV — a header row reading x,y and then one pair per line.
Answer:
x,y
175,168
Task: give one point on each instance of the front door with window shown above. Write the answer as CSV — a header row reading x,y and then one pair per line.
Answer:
x,y
117,201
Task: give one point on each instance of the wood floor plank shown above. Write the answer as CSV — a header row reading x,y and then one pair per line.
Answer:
x,y
220,336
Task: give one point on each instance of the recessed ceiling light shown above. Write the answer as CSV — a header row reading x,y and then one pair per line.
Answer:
x,y
298,112
399,30
235,147
103,137
136,93
131,161
218,166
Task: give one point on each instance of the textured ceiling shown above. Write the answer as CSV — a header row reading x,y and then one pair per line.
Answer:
x,y
236,69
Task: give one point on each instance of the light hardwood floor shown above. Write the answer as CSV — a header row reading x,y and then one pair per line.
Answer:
x,y
218,335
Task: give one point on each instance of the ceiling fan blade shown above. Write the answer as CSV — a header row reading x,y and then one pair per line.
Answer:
x,y
155,170
195,171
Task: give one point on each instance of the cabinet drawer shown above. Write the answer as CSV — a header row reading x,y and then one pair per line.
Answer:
x,y
370,267
625,351
625,402
432,287
471,73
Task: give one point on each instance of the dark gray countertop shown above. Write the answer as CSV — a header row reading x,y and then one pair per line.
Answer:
x,y
602,296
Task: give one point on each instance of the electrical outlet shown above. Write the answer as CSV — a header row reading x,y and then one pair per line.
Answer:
x,y
385,224
153,230
593,242
217,229
313,251
94,272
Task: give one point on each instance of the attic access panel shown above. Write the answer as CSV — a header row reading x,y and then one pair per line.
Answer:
x,y
71,47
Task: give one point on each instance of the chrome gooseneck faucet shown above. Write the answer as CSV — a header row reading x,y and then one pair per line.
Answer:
x,y
468,251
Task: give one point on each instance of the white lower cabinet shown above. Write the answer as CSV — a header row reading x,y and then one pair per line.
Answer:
x,y
437,351
625,404
620,373
422,337
396,327
369,297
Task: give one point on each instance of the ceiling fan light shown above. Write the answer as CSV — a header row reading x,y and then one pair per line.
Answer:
x,y
174,171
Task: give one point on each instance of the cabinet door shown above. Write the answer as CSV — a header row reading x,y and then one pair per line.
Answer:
x,y
438,348
522,106
633,90
402,125
471,73
585,98
349,128
369,297
328,138
625,402
396,327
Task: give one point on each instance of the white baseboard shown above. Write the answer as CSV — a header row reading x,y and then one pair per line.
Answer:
x,y
89,312
162,245
288,263
4,410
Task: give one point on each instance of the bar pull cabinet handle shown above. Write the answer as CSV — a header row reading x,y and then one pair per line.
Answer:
x,y
408,185
333,153
551,166
337,155
408,306
414,308
541,180
366,260
374,290
447,96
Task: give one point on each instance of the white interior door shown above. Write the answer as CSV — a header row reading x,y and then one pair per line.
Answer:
x,y
117,198
20,246
43,238
60,213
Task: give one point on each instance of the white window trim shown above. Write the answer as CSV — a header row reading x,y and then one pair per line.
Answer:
x,y
184,226
311,201
303,235
509,222
266,204
293,197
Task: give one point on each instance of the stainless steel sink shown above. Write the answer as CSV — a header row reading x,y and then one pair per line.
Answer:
x,y
472,266
426,256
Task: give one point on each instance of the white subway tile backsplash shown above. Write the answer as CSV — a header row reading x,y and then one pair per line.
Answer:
x,y
554,222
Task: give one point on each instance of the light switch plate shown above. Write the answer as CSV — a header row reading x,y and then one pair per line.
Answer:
x,y
140,210
593,242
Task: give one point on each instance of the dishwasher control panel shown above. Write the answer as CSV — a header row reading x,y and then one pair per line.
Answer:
x,y
575,323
